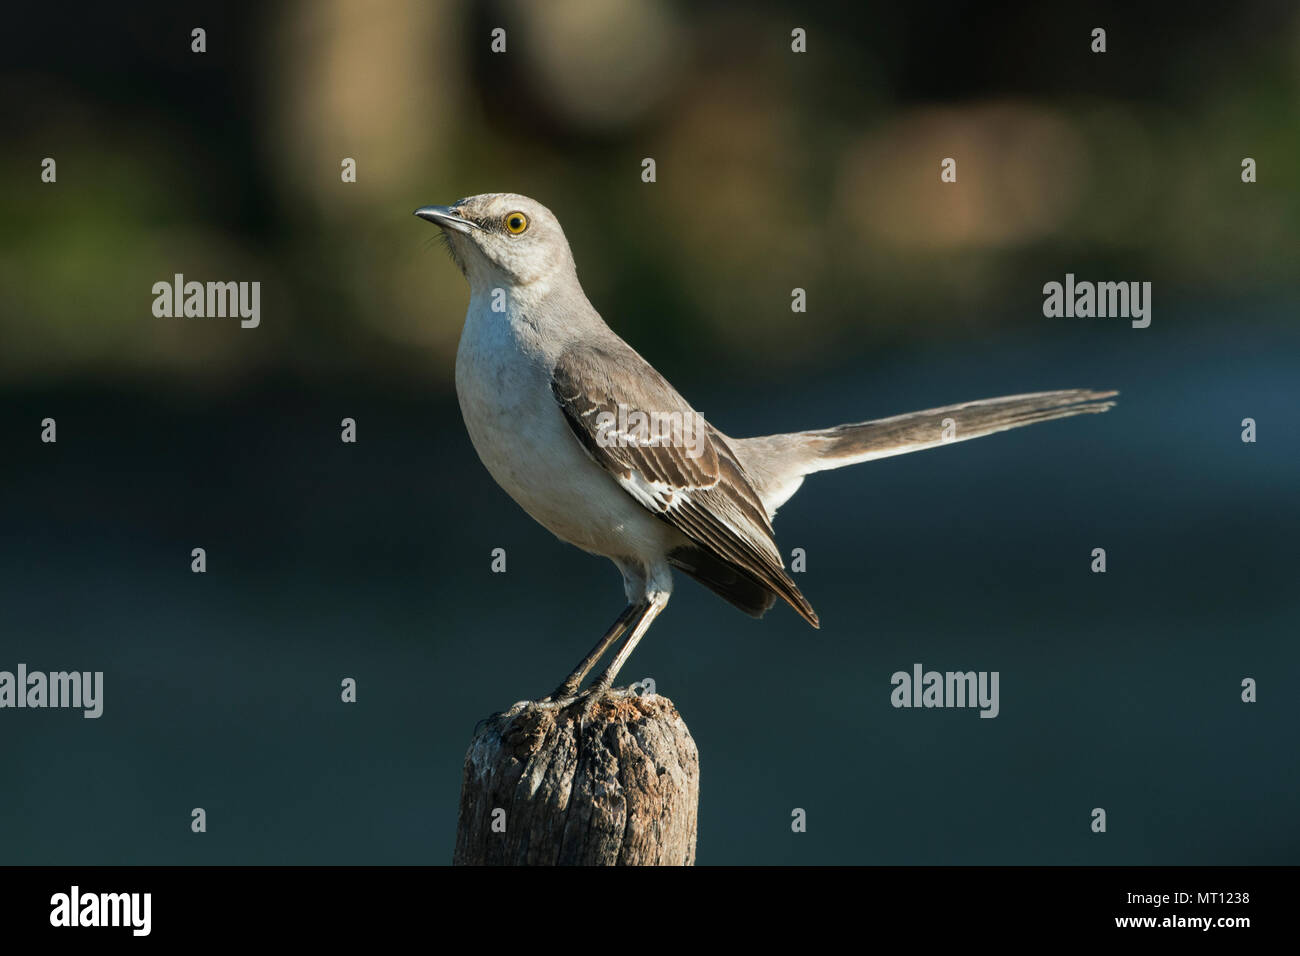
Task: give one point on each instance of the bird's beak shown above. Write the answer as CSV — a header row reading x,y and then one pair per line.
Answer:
x,y
444,217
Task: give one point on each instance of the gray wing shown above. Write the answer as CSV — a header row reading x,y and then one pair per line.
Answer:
x,y
667,457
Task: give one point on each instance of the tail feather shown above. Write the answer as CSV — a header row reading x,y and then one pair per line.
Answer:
x,y
777,464
726,580
915,431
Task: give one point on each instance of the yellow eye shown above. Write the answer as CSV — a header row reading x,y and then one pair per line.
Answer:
x,y
516,223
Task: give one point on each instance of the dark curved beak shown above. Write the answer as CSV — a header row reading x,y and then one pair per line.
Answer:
x,y
444,217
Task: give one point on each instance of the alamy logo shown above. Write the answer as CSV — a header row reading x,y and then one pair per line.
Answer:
x,y
102,909
950,689
635,428
212,300
81,689
1122,300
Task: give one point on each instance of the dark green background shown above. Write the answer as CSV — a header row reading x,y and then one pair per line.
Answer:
x,y
372,560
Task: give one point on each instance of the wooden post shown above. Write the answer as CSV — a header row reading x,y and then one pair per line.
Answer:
x,y
543,786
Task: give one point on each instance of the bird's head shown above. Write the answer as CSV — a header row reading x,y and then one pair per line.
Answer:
x,y
502,239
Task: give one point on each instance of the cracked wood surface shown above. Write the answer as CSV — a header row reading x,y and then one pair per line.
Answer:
x,y
543,787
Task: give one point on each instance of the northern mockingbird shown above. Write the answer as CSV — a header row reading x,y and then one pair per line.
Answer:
x,y
595,444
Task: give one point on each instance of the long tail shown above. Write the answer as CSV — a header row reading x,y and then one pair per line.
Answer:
x,y
777,464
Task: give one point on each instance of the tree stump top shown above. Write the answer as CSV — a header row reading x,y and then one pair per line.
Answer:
x,y
545,784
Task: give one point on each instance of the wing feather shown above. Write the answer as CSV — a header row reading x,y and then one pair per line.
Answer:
x,y
670,460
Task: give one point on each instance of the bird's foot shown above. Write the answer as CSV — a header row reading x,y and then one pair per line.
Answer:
x,y
565,691
564,699
567,695
592,700
595,694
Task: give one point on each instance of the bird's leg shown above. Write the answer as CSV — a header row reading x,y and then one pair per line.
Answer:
x,y
649,610
572,682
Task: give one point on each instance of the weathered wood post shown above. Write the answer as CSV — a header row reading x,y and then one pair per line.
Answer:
x,y
544,786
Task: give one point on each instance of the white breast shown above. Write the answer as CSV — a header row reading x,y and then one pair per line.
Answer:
x,y
519,432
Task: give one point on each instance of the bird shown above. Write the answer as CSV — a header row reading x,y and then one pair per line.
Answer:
x,y
595,444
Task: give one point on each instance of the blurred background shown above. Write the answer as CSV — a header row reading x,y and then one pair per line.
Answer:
x,y
775,170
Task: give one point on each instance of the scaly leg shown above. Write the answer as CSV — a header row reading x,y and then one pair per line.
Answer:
x,y
572,682
649,610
